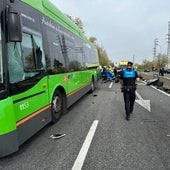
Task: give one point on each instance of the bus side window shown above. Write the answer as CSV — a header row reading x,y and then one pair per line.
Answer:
x,y
56,60
15,64
39,63
39,54
28,53
33,55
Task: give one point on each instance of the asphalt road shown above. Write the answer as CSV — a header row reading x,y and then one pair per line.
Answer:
x,y
96,126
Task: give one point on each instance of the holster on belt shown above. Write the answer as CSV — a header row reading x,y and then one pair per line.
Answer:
x,y
128,88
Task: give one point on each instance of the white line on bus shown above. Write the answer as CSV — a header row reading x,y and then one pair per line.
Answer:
x,y
83,152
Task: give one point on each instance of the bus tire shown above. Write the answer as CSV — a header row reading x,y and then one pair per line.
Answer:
x,y
57,106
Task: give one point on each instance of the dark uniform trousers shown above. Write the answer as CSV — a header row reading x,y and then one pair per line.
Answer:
x,y
129,98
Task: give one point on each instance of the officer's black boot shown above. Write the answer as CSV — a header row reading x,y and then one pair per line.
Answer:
x,y
127,116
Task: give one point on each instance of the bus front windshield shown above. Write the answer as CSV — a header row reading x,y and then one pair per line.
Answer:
x,y
1,68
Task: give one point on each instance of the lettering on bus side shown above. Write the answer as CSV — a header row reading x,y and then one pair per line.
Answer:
x,y
24,105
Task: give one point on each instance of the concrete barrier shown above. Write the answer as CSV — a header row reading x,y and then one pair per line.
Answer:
x,y
148,76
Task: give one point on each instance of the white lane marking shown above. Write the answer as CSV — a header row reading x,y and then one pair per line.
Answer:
x,y
111,84
142,102
160,90
139,96
84,149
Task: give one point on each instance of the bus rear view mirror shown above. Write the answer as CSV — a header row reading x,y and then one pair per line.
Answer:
x,y
14,26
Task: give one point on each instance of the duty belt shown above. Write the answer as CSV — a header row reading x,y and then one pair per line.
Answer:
x,y
128,88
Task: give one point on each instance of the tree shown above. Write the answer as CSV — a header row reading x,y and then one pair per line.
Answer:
x,y
93,39
103,57
145,65
161,60
77,21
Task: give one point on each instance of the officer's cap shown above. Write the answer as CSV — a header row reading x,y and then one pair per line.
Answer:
x,y
130,63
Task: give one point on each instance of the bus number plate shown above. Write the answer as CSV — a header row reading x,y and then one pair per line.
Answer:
x,y
24,106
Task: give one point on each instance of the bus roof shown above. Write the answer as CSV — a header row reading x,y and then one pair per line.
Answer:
x,y
48,9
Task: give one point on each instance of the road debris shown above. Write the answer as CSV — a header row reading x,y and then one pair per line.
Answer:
x,y
57,136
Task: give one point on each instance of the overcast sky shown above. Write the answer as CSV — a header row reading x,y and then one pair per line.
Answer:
x,y
126,29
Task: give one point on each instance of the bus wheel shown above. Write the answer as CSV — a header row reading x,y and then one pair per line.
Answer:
x,y
57,106
92,86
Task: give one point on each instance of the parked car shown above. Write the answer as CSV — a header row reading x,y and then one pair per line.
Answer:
x,y
147,70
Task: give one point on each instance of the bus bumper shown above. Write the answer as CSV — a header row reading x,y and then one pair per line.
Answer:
x,y
8,143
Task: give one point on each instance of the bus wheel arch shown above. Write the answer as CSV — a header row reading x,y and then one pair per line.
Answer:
x,y
58,104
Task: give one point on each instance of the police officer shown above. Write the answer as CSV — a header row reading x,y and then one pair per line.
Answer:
x,y
128,80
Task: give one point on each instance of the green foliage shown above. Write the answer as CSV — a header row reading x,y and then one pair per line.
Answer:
x,y
145,65
93,40
160,61
77,21
103,57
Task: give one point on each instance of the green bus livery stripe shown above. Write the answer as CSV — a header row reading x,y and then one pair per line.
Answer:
x,y
32,115
77,90
44,108
16,101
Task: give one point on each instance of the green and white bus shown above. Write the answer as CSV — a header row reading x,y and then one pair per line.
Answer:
x,y
46,65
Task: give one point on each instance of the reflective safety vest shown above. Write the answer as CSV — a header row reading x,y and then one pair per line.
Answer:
x,y
129,74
